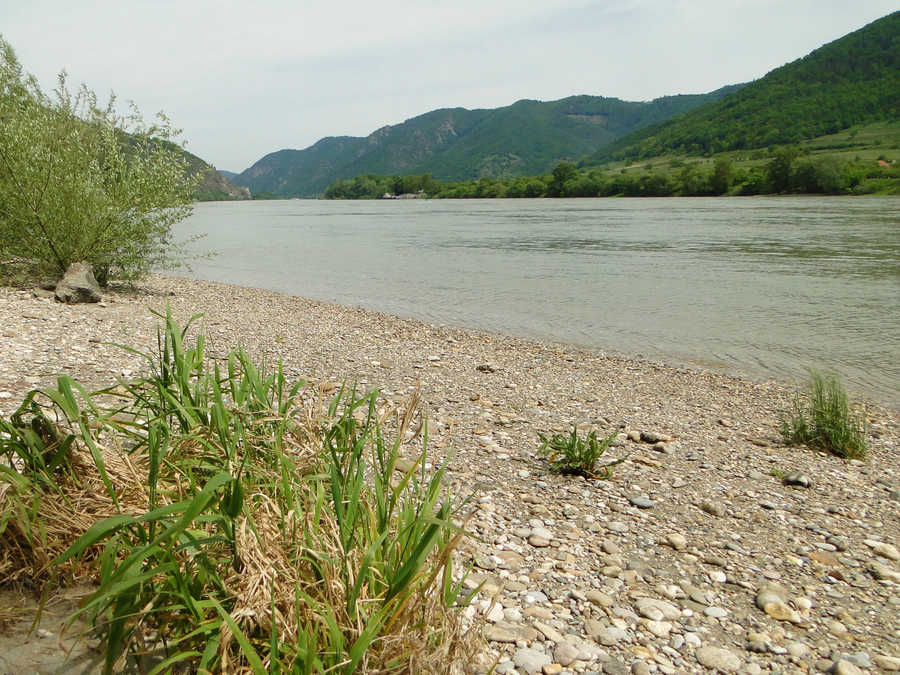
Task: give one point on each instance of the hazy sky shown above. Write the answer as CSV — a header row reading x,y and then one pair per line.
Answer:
x,y
243,79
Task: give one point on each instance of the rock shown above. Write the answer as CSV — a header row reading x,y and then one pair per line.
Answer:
x,y
642,502
531,660
640,668
781,612
565,653
494,614
657,610
718,659
487,368
548,632
888,663
844,667
716,612
884,573
603,634
658,628
676,541
43,293
538,541
654,437
798,650
599,598
883,549
615,667
552,669
825,558
798,478
769,593
509,633
78,285
713,508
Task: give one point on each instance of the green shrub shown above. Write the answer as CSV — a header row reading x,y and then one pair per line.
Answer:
x,y
824,419
233,522
577,456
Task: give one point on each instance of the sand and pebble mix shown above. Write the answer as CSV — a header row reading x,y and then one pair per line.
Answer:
x,y
713,548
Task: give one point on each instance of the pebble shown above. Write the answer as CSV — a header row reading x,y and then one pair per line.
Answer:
x,y
719,659
565,653
600,598
798,478
642,502
888,663
531,660
844,667
676,541
713,508
883,549
640,668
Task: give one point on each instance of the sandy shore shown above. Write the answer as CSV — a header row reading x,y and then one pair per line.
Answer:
x,y
657,570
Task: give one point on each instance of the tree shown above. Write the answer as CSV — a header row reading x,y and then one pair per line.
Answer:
x,y
80,182
780,168
721,178
561,173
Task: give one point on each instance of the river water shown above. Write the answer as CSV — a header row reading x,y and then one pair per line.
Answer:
x,y
767,286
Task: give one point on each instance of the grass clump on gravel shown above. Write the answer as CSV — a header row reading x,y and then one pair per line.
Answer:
x,y
824,419
234,523
578,456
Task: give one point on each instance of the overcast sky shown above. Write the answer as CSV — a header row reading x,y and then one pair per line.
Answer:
x,y
243,79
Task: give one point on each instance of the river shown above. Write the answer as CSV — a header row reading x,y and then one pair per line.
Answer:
x,y
768,286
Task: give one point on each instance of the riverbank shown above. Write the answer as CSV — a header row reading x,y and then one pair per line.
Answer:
x,y
656,570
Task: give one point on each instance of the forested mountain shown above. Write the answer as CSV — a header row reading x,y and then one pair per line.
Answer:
x,y
213,185
527,137
855,79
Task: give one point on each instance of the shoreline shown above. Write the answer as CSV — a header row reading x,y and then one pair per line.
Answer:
x,y
698,523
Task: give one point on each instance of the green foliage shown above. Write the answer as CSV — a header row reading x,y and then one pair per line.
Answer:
x,y
578,456
826,420
455,144
789,169
80,182
849,81
251,527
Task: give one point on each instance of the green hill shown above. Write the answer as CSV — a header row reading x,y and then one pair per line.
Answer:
x,y
213,185
527,137
853,80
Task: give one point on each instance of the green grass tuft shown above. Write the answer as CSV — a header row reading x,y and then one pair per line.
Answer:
x,y
233,522
824,419
578,456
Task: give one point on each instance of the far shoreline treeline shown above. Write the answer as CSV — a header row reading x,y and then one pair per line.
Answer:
x,y
784,170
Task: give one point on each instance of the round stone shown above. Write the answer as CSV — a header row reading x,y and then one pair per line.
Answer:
x,y
719,659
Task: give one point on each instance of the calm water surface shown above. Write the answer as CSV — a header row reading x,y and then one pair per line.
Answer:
x,y
761,286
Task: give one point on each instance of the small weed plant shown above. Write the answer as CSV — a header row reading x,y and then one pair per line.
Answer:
x,y
234,523
578,456
824,419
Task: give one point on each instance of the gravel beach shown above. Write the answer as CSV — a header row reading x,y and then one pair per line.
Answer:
x,y
697,556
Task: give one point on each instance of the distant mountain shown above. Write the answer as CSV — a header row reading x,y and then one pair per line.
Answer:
x,y
214,185
527,137
228,174
855,79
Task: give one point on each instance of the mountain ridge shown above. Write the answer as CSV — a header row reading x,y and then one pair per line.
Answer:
x,y
456,143
851,80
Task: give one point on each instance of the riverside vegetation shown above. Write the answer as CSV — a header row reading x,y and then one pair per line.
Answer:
x,y
234,522
826,419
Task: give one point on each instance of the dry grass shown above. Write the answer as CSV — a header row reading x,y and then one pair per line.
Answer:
x,y
234,523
